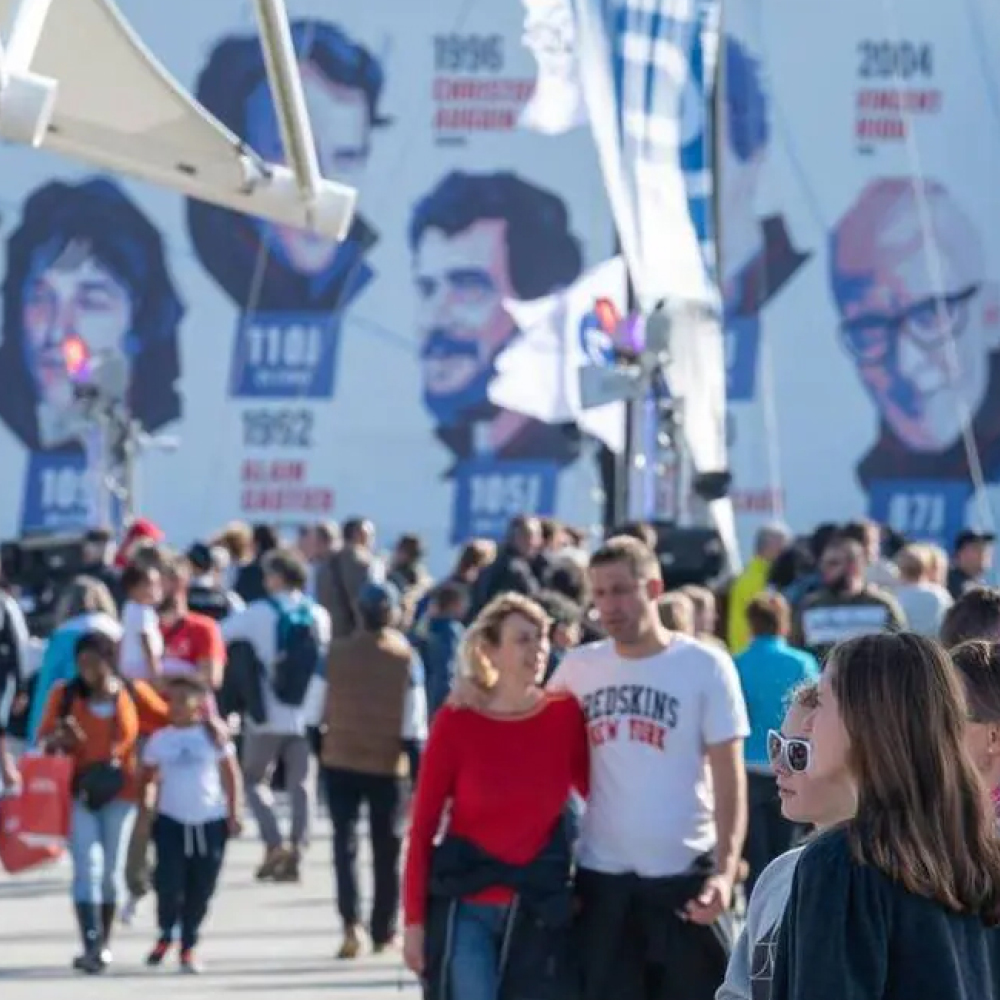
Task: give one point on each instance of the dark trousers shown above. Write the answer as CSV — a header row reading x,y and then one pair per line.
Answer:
x,y
768,833
631,945
345,793
188,862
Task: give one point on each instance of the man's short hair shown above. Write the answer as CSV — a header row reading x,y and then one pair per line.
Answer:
x,y
852,549
636,555
644,532
450,596
542,253
769,614
288,566
328,532
411,546
911,561
354,528
975,615
769,534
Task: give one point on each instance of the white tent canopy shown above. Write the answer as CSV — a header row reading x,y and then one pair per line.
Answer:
x,y
75,79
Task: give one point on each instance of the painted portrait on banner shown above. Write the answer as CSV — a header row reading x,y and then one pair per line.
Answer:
x,y
86,277
757,255
920,320
290,286
476,240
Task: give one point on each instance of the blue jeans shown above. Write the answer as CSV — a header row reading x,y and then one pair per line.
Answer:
x,y
475,952
98,845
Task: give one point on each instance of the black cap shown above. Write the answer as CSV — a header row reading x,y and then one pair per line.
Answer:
x,y
970,537
200,557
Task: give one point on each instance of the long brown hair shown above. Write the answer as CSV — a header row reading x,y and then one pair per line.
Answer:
x,y
921,817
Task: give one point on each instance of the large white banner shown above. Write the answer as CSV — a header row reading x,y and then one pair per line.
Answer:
x,y
305,381
861,254
860,151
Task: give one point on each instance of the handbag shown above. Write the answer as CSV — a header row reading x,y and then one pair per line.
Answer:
x,y
34,822
100,783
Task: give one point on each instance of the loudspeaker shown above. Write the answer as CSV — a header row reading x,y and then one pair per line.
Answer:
x,y
689,555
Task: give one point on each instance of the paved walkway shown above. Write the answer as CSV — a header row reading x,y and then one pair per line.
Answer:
x,y
261,941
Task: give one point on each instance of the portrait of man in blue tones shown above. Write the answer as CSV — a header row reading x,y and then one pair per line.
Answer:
x,y
298,271
925,343
476,240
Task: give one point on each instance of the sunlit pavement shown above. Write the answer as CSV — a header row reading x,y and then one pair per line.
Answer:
x,y
260,940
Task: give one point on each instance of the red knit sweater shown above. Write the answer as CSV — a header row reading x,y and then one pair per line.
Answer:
x,y
506,780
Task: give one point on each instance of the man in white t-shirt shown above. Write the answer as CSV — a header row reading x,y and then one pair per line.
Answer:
x,y
662,834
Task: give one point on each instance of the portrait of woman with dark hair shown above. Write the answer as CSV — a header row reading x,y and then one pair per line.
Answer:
x,y
273,273
86,277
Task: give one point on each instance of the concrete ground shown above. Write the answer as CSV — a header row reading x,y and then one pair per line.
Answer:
x,y
260,941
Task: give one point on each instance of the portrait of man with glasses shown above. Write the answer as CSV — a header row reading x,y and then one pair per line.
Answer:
x,y
921,322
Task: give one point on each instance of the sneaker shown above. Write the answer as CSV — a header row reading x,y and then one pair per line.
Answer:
x,y
351,945
273,860
155,958
381,947
288,869
129,910
190,965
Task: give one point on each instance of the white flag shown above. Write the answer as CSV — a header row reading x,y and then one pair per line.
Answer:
x,y
539,374
557,105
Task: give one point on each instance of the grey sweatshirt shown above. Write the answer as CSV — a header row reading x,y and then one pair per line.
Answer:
x,y
751,966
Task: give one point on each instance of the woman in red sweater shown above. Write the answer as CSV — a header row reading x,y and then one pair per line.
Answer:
x,y
503,775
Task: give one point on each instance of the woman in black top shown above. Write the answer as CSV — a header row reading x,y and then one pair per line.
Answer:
x,y
897,903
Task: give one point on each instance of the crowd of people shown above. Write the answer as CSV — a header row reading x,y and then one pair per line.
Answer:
x,y
598,767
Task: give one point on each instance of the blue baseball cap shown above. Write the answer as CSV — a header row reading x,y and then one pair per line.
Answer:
x,y
377,597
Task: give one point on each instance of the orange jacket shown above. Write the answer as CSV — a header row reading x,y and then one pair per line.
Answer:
x,y
134,717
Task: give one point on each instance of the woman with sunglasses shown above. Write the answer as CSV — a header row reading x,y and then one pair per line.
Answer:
x,y
898,902
978,663
807,800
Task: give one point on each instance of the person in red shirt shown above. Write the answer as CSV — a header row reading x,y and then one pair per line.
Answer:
x,y
504,774
192,642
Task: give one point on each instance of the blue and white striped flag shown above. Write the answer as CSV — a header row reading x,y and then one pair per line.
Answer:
x,y
643,66
647,69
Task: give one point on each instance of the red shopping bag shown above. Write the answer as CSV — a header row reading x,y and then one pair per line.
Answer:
x,y
34,823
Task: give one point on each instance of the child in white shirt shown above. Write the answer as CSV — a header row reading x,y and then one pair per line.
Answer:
x,y
140,655
199,808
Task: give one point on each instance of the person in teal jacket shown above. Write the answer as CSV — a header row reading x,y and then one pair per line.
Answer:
x,y
769,669
85,606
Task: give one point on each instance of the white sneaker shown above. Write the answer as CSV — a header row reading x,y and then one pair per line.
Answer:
x,y
129,911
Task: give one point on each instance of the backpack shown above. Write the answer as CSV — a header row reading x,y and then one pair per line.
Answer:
x,y
298,647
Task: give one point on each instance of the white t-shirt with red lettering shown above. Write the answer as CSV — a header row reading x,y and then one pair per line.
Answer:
x,y
651,807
